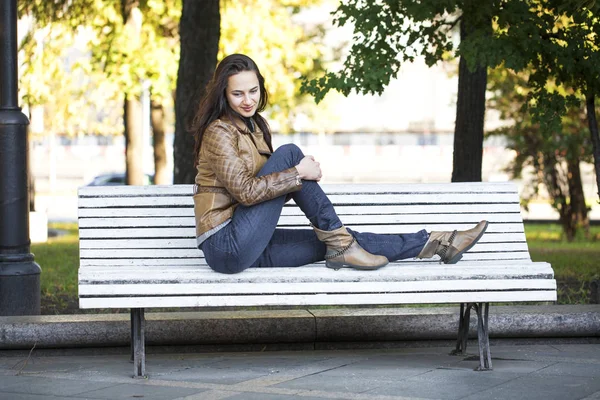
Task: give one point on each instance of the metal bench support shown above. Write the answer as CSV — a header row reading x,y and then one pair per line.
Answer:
x,y
483,338
138,348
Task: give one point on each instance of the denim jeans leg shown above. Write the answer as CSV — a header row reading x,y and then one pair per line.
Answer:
x,y
252,227
393,246
291,248
251,238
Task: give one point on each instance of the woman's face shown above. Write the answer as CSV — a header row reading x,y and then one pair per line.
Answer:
x,y
243,93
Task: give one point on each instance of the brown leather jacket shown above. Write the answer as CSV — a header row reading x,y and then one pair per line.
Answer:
x,y
229,160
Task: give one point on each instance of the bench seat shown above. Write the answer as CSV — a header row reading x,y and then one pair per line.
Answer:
x,y
138,250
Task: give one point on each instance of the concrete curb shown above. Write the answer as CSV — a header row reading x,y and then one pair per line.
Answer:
x,y
295,326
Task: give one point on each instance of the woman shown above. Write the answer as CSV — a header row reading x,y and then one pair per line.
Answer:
x,y
242,185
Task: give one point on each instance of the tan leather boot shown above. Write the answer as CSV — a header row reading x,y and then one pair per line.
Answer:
x,y
450,246
344,251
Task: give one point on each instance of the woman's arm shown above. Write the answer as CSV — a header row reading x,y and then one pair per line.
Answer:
x,y
220,147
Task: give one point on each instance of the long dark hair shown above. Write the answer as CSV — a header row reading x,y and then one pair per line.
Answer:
x,y
214,104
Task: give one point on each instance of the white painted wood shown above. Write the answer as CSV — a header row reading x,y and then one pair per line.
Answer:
x,y
394,272
190,231
119,243
336,199
171,289
319,299
478,257
138,249
461,187
163,263
300,220
127,243
192,251
291,209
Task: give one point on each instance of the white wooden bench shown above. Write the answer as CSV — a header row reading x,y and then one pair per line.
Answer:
x,y
138,250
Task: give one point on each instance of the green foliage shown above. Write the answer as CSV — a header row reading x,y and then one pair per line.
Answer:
x,y
555,42
146,48
553,155
512,97
386,34
285,49
80,57
53,73
116,57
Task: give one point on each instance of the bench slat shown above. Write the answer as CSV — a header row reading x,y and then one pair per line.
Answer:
x,y
187,289
128,243
189,232
291,209
319,299
475,257
394,272
192,252
300,220
465,198
464,187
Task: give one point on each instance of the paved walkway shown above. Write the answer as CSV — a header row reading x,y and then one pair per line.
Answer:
x,y
521,371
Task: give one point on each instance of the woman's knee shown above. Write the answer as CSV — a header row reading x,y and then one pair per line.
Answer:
x,y
229,266
292,150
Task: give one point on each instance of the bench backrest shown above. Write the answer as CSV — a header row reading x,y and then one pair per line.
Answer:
x,y
154,225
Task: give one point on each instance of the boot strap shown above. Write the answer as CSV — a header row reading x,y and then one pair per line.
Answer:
x,y
446,245
340,252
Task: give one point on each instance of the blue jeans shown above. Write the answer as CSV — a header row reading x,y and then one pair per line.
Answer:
x,y
252,238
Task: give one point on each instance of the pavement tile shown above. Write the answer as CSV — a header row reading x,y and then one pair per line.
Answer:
x,y
359,376
585,348
27,396
571,369
443,384
541,388
225,376
146,392
6,380
55,387
593,396
326,382
235,369
268,396
509,366
425,360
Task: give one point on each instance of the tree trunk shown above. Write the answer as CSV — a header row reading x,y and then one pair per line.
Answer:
x,y
590,103
470,112
199,31
132,118
157,118
578,212
556,190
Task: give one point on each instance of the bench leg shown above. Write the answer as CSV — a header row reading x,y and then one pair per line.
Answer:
x,y
138,351
483,337
463,329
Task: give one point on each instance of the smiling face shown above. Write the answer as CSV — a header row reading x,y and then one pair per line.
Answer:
x,y
243,93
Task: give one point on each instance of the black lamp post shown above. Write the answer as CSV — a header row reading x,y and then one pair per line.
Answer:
x,y
19,274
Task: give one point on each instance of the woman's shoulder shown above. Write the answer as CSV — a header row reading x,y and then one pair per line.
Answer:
x,y
220,127
221,124
218,133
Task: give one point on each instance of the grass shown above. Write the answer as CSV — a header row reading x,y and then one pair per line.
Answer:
x,y
59,260
575,264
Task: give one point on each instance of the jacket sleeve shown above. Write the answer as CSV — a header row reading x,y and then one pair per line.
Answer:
x,y
220,147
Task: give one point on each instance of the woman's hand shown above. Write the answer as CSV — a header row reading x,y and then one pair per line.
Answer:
x,y
309,169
